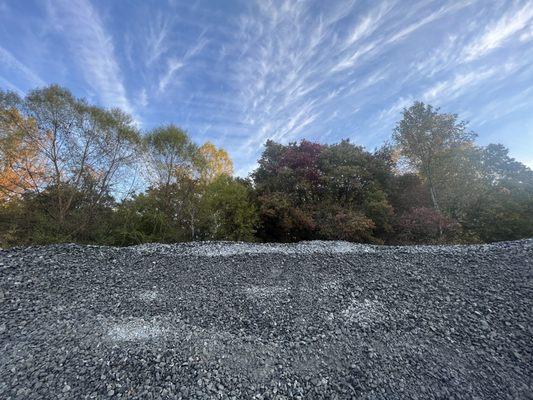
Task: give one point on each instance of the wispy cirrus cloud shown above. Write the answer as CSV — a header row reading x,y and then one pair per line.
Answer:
x,y
501,30
368,23
297,69
9,62
390,114
293,65
157,40
175,64
284,74
433,16
93,49
499,108
455,86
442,58
241,72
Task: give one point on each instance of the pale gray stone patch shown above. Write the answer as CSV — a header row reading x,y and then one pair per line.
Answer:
x,y
225,249
149,295
363,311
331,285
135,330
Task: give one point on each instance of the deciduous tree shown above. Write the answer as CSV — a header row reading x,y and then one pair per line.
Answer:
x,y
171,155
227,210
21,164
423,134
216,162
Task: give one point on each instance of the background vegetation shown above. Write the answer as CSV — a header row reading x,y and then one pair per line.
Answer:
x,y
69,169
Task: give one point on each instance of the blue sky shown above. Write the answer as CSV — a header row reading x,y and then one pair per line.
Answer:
x,y
239,72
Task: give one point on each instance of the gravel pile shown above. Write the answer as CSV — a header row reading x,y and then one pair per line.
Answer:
x,y
324,320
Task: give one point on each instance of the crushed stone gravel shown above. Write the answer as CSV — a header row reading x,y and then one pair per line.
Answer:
x,y
221,320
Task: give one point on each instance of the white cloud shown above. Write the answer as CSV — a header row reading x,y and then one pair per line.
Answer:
x,y
441,58
351,61
295,68
527,35
93,50
441,12
175,64
157,38
393,113
285,69
462,82
497,33
286,59
369,23
500,107
10,62
142,99
454,86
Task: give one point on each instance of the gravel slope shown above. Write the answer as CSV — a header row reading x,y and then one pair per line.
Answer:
x,y
314,320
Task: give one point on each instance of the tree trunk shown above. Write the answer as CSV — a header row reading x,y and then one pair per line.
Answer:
x,y
432,191
192,224
433,194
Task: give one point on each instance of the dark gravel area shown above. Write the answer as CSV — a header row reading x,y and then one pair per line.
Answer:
x,y
235,321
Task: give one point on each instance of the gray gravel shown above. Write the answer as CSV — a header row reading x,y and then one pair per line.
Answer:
x,y
238,321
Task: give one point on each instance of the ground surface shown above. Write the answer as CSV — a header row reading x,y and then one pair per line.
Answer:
x,y
303,321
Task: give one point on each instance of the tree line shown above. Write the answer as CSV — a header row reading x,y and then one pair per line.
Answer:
x,y
69,170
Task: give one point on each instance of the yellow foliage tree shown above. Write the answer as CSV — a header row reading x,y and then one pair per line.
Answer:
x,y
216,162
21,165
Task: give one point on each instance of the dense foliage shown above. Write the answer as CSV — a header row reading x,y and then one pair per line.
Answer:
x,y
68,170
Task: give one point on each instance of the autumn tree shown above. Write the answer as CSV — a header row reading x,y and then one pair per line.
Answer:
x,y
306,190
86,148
286,182
21,166
82,152
65,165
216,162
423,225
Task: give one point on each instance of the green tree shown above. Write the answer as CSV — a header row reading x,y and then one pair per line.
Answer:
x,y
460,178
174,164
504,210
424,134
33,220
228,211
282,221
170,155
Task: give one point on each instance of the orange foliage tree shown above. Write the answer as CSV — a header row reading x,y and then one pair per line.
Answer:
x,y
21,163
216,162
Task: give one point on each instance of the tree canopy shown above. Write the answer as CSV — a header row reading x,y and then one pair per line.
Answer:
x,y
68,170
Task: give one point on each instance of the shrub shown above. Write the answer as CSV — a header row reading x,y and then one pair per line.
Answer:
x,y
426,225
